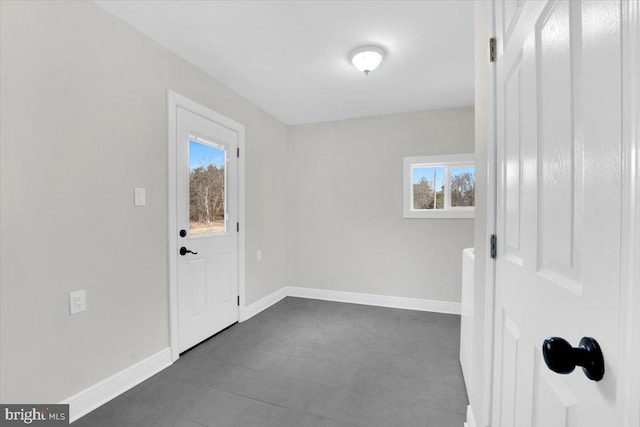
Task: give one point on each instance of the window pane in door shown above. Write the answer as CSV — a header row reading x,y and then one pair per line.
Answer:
x,y
428,188
207,184
463,186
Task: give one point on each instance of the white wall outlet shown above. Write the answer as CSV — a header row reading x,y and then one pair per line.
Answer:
x,y
139,196
77,301
259,255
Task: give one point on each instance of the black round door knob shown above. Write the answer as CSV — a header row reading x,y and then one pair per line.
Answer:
x,y
560,357
184,251
183,233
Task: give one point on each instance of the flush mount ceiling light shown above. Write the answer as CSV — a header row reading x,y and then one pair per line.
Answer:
x,y
367,58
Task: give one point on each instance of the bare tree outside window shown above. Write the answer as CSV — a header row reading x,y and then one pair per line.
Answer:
x,y
463,187
206,189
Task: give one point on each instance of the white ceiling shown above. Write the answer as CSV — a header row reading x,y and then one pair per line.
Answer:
x,y
291,58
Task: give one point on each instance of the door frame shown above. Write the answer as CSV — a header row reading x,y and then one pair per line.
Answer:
x,y
628,385
486,410
175,100
629,319
480,407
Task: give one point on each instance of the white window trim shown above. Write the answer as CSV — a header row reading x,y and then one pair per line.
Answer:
x,y
448,161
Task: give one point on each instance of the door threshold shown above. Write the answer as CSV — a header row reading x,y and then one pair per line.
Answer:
x,y
206,339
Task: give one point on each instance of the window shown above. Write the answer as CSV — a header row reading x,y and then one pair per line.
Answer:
x,y
207,192
439,186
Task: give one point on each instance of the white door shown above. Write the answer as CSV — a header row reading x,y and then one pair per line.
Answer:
x,y
558,207
207,238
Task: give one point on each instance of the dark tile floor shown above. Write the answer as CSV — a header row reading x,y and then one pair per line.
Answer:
x,y
308,363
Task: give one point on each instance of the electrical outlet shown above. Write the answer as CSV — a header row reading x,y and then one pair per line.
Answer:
x,y
259,255
77,301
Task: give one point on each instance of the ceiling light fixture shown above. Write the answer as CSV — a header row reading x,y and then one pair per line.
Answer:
x,y
367,58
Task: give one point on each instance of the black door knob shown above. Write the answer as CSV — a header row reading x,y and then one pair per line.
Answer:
x,y
560,357
184,251
183,233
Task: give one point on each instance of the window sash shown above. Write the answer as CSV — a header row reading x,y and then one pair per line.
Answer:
x,y
446,181
447,162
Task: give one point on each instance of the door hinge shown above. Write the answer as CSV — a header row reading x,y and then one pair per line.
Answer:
x,y
238,152
494,246
238,300
237,227
492,49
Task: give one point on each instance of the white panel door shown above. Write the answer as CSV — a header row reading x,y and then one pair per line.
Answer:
x,y
558,207
207,238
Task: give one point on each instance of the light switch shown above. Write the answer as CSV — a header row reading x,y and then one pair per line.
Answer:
x,y
259,255
140,198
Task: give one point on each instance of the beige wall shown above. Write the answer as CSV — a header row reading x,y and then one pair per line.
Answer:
x,y
346,206
83,114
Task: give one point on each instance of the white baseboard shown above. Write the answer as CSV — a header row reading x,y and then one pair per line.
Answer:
x,y
471,421
349,297
377,300
251,310
98,394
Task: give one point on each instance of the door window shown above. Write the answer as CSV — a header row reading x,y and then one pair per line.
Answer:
x,y
207,187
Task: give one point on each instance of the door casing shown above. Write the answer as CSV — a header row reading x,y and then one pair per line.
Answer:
x,y
629,320
175,100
